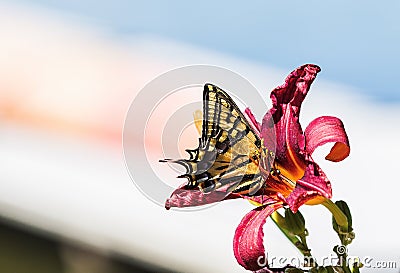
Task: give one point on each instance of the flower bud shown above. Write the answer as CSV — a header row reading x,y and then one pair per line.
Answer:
x,y
295,222
346,211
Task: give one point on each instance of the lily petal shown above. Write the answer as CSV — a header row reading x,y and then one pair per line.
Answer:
x,y
256,125
295,88
312,189
183,197
248,245
286,101
327,129
289,140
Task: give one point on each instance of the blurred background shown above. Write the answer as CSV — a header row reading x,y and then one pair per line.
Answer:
x,y
69,71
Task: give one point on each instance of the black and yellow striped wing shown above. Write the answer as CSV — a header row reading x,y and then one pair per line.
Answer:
x,y
229,151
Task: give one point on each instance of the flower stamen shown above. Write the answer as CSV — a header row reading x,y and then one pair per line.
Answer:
x,y
276,172
287,180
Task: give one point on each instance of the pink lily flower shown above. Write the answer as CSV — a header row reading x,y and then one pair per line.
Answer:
x,y
293,158
295,180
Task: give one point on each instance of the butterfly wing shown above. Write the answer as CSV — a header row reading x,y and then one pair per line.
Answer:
x,y
229,149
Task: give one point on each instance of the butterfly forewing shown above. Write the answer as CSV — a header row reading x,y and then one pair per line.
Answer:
x,y
228,155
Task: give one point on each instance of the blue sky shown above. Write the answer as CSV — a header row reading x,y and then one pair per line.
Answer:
x,y
355,42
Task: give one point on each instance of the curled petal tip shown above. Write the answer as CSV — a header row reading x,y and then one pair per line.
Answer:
x,y
338,152
313,68
324,130
296,86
